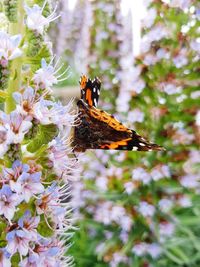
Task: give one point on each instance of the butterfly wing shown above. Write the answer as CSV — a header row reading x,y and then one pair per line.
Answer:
x,y
100,130
90,90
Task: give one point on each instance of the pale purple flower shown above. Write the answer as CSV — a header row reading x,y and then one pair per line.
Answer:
x,y
28,185
118,258
8,202
47,253
47,112
102,183
180,60
154,250
148,21
19,126
139,174
12,174
146,209
48,200
162,54
150,59
29,224
25,101
197,118
6,138
195,45
48,75
171,89
184,201
126,223
108,213
165,204
181,136
129,187
59,152
18,241
138,86
166,229
9,46
4,258
160,172
35,20
136,115
140,249
183,4
190,181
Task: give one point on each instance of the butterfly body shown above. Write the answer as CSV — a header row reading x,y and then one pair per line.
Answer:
x,y
99,130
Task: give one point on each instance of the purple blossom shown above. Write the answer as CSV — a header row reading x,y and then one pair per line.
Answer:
x,y
28,185
18,241
25,101
4,258
29,225
8,202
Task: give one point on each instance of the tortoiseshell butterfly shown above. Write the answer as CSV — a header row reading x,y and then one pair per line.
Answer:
x,y
99,130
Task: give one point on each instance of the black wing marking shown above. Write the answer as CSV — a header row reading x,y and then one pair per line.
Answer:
x,y
90,90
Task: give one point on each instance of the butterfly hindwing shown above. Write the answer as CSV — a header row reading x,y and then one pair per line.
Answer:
x,y
90,90
100,130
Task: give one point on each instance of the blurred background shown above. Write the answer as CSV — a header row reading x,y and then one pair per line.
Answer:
x,y
134,208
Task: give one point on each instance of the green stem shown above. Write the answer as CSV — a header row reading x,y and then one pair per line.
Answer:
x,y
14,83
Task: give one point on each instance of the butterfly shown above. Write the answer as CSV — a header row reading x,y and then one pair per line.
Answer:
x,y
96,129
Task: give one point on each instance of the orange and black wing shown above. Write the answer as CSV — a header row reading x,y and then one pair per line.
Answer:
x,y
100,130
90,90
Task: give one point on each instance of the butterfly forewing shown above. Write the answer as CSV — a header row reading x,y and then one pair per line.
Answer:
x,y
90,90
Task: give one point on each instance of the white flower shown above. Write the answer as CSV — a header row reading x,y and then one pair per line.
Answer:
x,y
146,209
46,76
35,20
9,46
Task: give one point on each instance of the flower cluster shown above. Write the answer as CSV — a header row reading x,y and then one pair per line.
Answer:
x,y
35,155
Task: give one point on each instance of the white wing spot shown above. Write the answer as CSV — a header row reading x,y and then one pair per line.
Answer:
x,y
95,102
134,148
141,144
94,89
98,92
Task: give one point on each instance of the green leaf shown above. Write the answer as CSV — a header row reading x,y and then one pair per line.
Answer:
x,y
45,134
